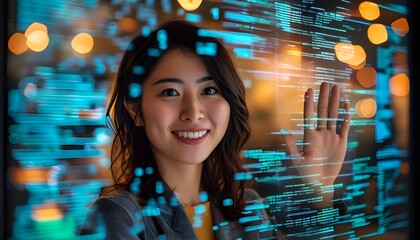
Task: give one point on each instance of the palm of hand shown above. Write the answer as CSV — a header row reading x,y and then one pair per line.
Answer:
x,y
324,148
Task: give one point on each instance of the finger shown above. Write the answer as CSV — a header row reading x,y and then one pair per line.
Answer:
x,y
323,105
345,126
291,148
334,105
308,110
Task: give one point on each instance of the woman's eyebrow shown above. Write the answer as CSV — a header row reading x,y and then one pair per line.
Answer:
x,y
177,80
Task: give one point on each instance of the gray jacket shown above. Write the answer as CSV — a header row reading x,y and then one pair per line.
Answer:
x,y
118,215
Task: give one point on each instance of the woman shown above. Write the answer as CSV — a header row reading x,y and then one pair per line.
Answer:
x,y
180,119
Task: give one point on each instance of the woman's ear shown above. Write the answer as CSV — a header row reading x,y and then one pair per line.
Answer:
x,y
132,109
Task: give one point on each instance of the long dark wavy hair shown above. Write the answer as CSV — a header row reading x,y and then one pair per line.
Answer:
x,y
131,148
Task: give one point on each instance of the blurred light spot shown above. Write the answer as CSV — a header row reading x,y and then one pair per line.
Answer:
x,y
180,12
203,196
153,52
36,26
37,40
400,27
366,108
135,185
162,37
359,56
344,51
193,17
46,212
367,77
30,90
400,60
247,83
360,66
103,138
190,5
17,43
369,10
200,209
14,138
135,90
161,200
92,169
104,162
82,43
139,172
174,201
149,170
353,144
239,176
118,15
405,168
138,70
166,6
228,202
159,187
215,13
145,31
377,33
128,24
209,49
399,85
112,28
353,55
28,175
243,52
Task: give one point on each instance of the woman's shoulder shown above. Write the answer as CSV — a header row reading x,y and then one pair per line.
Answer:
x,y
116,212
118,199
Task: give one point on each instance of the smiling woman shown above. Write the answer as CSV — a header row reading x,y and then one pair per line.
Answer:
x,y
185,118
176,153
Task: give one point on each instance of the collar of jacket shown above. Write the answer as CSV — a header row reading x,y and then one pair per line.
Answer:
x,y
174,222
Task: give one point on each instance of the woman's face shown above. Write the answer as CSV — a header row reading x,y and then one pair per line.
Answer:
x,y
184,114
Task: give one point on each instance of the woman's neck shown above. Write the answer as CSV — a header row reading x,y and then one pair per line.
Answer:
x,y
185,180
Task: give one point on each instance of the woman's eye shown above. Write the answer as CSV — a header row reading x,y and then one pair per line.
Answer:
x,y
169,92
210,91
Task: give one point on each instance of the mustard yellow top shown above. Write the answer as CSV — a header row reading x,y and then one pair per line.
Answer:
x,y
201,219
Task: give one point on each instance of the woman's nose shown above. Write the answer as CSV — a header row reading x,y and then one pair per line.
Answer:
x,y
192,109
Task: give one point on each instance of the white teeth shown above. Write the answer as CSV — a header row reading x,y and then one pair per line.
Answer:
x,y
191,135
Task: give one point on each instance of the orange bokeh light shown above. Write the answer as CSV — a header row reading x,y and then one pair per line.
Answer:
x,y
366,77
128,24
82,43
400,27
28,175
369,10
359,56
366,108
37,40
36,26
46,212
190,5
399,85
344,51
17,43
377,33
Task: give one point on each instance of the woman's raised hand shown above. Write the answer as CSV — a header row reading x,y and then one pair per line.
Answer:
x,y
324,147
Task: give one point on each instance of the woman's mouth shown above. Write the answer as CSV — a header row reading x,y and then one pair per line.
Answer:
x,y
191,137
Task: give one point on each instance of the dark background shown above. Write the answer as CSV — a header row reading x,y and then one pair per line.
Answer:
x,y
3,113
